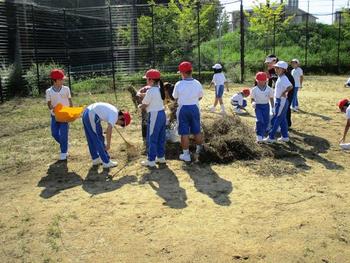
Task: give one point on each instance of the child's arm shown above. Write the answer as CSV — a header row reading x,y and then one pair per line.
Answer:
x,y
211,84
226,85
70,102
346,129
49,105
108,136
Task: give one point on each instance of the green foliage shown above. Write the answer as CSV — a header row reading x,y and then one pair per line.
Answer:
x,y
290,43
175,28
44,77
264,17
12,79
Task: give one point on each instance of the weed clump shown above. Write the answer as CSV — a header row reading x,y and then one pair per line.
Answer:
x,y
228,139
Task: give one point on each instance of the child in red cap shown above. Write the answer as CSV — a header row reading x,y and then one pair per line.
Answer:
x,y
262,97
188,92
238,102
153,103
59,94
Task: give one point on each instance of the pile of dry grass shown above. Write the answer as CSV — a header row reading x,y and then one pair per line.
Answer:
x,y
228,139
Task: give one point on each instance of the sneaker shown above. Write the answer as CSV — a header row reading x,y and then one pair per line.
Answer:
x,y
283,139
96,161
63,156
160,160
212,109
259,139
185,157
111,164
269,140
148,163
223,113
238,111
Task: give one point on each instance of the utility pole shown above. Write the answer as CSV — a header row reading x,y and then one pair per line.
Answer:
x,y
332,11
242,41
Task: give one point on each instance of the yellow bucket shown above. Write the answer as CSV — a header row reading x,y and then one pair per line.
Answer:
x,y
67,114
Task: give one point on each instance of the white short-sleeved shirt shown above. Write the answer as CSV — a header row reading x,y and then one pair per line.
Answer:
x,y
281,86
188,92
237,98
297,73
105,111
261,96
61,96
153,99
219,79
348,82
348,112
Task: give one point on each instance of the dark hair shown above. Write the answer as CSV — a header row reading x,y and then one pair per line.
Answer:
x,y
217,70
161,89
188,72
121,113
169,88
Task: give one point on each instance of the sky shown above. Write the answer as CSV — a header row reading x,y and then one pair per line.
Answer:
x,y
322,9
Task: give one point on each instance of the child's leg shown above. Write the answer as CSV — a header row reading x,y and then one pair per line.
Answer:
x,y
89,135
55,132
63,131
152,136
280,113
266,118
284,122
259,120
216,102
161,121
295,98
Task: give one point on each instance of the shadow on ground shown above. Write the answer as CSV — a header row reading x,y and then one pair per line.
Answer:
x,y
102,182
58,179
208,182
167,186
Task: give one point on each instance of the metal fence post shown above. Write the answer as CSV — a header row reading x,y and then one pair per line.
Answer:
x,y
242,41
274,34
338,48
306,38
66,48
1,94
35,51
153,46
199,40
112,50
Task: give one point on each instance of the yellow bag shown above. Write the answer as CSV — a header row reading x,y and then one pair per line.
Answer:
x,y
67,114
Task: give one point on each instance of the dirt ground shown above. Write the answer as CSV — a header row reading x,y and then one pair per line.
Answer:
x,y
291,208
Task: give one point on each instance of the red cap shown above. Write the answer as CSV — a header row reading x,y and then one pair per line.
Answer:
x,y
57,74
261,76
185,66
127,118
342,103
152,74
246,92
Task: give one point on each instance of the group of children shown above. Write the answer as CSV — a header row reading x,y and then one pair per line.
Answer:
x,y
265,100
92,117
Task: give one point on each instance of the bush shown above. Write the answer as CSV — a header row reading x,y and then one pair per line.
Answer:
x,y
44,78
13,81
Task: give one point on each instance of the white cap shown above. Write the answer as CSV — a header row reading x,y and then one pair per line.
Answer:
x,y
217,66
270,59
295,60
281,64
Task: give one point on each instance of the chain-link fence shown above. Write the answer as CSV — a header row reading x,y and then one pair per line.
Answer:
x,y
120,42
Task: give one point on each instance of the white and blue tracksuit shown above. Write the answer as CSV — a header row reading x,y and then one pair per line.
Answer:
x,y
94,136
156,134
156,123
59,131
279,119
262,113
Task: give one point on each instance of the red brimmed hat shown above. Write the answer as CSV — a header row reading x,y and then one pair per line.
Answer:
x,y
152,74
246,92
185,66
127,118
342,103
57,74
261,76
